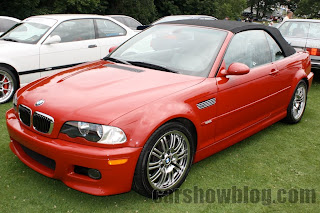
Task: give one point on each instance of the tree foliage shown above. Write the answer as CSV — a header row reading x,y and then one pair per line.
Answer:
x,y
148,10
310,8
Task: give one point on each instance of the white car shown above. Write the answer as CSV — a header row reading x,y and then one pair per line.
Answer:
x,y
6,23
127,20
43,45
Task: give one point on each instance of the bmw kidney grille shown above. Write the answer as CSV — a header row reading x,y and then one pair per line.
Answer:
x,y
41,122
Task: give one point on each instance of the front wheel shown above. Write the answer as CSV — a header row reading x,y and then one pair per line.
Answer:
x,y
8,85
165,161
297,104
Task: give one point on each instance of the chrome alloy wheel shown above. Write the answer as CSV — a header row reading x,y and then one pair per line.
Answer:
x,y
6,86
299,102
168,160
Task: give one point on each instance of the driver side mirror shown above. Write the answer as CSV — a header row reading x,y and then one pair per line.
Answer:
x,y
53,40
236,69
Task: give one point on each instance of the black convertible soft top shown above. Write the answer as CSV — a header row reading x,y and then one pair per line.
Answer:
x,y
237,26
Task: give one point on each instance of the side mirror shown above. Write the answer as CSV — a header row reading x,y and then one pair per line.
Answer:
x,y
53,40
236,69
112,48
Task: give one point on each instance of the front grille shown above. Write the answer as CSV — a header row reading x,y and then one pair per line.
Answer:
x,y
48,162
42,122
25,115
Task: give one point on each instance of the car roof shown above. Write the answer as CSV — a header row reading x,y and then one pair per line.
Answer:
x,y
303,20
236,27
62,17
10,18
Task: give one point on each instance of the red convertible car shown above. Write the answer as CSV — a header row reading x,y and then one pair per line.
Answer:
x,y
169,97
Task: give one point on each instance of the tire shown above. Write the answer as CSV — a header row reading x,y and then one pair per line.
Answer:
x,y
297,104
8,85
165,161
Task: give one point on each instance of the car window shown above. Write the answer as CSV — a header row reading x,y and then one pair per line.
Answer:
x,y
119,19
276,52
294,29
107,28
250,48
132,23
314,31
75,30
6,24
30,31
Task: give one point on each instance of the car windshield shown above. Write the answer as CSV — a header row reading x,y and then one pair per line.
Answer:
x,y
295,29
30,31
188,50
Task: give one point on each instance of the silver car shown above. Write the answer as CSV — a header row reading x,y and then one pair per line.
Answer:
x,y
303,34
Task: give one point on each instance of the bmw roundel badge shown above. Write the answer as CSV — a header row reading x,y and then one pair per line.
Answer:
x,y
39,103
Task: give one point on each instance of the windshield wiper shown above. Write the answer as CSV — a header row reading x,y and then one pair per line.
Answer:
x,y
9,39
116,60
152,66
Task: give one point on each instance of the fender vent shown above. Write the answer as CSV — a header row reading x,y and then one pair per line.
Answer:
x,y
206,103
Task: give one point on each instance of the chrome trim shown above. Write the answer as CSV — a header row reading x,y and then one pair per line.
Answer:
x,y
206,103
30,114
51,119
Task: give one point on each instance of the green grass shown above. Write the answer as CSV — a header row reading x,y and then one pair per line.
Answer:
x,y
280,157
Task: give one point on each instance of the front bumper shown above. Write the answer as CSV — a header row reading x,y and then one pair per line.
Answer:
x,y
115,179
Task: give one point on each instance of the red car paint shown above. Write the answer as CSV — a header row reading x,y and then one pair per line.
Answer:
x,y
142,102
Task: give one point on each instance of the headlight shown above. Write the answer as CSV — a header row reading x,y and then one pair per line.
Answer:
x,y
94,132
14,102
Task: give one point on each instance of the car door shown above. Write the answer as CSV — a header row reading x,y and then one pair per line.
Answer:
x,y
77,45
285,69
246,100
110,34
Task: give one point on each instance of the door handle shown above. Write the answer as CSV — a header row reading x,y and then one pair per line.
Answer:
x,y
274,72
92,46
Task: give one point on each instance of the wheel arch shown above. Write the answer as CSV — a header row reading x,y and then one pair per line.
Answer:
x,y
14,71
190,126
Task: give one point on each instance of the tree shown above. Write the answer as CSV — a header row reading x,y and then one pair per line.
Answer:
x,y
17,8
142,10
309,8
230,8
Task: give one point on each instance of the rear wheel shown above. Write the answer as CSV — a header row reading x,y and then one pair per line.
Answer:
x,y
8,85
297,104
165,161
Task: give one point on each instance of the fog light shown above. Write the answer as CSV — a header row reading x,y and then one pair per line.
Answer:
x,y
94,174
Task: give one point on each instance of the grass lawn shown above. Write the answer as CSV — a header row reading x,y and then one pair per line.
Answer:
x,y
280,157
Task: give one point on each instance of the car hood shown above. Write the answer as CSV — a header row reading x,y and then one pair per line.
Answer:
x,y
101,92
9,46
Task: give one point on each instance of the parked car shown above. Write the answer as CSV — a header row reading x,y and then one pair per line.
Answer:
x,y
43,45
303,34
175,18
6,23
170,96
127,20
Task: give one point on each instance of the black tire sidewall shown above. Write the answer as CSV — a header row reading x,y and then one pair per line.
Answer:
x,y
290,118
